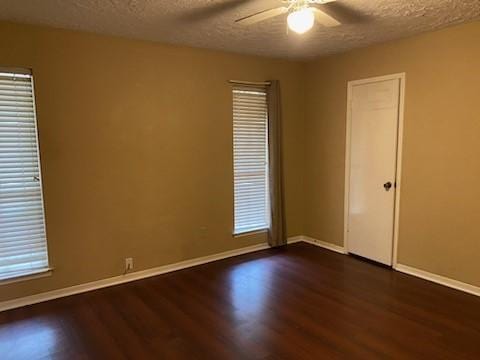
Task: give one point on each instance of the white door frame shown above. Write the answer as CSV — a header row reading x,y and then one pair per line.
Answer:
x,y
398,176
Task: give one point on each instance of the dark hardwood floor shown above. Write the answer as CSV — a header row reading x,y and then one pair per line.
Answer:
x,y
301,302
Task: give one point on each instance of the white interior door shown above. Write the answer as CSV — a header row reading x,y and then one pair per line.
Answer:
x,y
374,115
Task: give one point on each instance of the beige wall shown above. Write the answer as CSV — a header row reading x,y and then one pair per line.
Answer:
x,y
136,148
440,211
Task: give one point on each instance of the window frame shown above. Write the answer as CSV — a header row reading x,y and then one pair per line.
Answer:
x,y
264,228
47,270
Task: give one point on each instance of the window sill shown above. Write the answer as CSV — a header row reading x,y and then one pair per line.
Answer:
x,y
250,232
27,276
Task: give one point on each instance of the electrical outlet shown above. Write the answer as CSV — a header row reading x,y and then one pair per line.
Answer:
x,y
128,264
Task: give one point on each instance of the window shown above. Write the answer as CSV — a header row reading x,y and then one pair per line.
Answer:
x,y
23,245
250,159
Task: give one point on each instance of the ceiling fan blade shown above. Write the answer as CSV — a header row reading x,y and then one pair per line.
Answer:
x,y
325,19
262,15
343,13
215,9
323,2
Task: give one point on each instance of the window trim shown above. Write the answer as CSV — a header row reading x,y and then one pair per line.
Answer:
x,y
250,232
40,174
31,275
238,85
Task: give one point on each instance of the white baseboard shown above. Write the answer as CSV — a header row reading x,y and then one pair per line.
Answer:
x,y
116,280
294,239
442,280
323,244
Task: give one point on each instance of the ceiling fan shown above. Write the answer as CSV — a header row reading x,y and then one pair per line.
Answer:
x,y
301,15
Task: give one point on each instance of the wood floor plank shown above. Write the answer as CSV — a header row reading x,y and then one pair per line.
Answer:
x,y
297,302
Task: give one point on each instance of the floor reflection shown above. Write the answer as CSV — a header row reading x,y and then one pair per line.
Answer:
x,y
250,285
29,339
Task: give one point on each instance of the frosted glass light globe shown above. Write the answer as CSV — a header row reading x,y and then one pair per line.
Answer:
x,y
301,20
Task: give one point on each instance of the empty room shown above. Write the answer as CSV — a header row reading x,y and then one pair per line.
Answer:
x,y
239,179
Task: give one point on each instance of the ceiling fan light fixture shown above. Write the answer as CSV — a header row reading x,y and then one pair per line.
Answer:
x,y
301,20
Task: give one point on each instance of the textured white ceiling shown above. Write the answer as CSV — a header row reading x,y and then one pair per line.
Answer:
x,y
210,23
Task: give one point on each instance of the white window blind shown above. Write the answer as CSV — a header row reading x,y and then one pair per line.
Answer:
x,y
250,152
23,247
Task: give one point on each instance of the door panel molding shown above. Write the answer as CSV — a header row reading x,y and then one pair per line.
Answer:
x,y
398,176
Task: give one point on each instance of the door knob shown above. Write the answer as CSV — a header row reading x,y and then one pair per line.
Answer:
x,y
387,186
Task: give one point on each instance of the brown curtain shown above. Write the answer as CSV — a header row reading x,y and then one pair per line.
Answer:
x,y
277,232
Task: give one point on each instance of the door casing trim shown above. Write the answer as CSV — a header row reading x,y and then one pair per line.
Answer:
x,y
398,176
